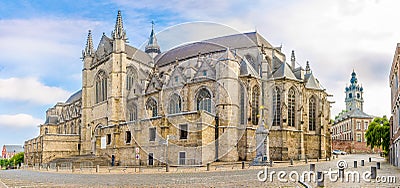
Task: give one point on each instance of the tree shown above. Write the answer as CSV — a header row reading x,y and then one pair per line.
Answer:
x,y
17,159
378,134
3,162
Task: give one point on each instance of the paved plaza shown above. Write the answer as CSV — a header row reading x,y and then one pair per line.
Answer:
x,y
219,176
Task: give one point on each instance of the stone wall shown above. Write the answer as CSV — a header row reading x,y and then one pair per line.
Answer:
x,y
353,147
43,149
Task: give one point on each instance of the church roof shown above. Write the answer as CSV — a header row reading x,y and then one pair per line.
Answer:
x,y
137,54
105,47
218,44
284,71
14,148
241,40
312,82
74,97
51,119
246,68
356,113
187,51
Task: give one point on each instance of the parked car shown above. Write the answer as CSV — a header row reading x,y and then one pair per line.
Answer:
x,y
339,152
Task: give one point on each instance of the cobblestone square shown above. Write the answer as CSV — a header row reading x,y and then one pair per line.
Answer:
x,y
218,176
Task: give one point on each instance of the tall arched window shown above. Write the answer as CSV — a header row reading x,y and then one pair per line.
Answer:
x,y
175,104
132,110
312,114
291,107
72,128
242,105
101,87
255,105
203,100
276,108
131,76
151,106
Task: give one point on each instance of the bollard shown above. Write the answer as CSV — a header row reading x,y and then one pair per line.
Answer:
x,y
48,167
341,172
373,172
312,167
242,164
291,161
167,168
97,168
320,180
208,166
362,162
306,160
378,165
369,159
355,164
58,168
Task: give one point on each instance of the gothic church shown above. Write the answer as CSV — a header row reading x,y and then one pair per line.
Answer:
x,y
190,105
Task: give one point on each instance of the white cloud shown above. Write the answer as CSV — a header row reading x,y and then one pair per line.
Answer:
x,y
19,120
41,46
30,90
335,36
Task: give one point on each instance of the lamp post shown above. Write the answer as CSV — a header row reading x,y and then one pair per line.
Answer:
x,y
166,155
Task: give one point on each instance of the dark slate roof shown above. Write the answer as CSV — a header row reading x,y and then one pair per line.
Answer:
x,y
14,148
241,40
284,71
74,97
218,44
312,82
131,52
356,113
246,68
52,119
187,51
137,54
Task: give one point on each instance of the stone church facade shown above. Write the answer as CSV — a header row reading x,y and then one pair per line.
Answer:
x,y
193,104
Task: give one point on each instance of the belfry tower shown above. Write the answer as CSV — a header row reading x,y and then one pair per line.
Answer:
x,y
354,94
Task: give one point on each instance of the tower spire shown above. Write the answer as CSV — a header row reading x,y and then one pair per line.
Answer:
x,y
293,60
152,47
353,79
89,50
308,69
354,94
119,32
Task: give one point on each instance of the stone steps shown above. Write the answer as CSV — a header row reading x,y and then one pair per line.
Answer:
x,y
80,159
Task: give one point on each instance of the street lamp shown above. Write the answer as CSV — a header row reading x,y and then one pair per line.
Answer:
x,y
166,155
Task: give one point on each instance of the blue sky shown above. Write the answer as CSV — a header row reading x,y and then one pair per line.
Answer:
x,y
41,44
